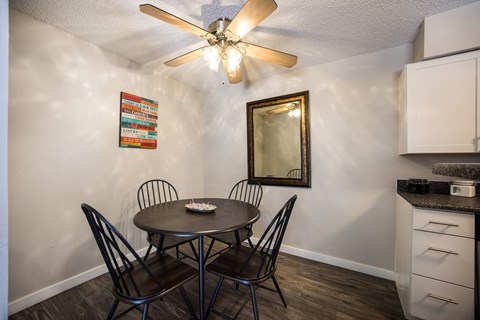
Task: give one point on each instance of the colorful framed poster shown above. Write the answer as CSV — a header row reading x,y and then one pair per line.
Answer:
x,y
138,122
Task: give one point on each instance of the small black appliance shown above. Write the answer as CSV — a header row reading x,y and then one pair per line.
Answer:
x,y
418,186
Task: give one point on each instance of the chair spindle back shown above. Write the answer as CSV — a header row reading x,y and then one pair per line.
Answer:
x,y
269,243
247,191
120,267
155,191
295,174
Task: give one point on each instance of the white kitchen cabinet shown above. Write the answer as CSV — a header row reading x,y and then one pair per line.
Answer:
x,y
439,300
448,32
438,105
403,256
434,262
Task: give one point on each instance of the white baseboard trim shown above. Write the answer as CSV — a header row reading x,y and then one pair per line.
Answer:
x,y
342,263
48,292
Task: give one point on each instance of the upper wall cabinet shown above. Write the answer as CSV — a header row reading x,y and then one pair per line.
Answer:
x,y
439,105
449,32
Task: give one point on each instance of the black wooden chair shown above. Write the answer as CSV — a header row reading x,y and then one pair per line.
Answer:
x,y
252,266
154,192
295,174
135,281
247,191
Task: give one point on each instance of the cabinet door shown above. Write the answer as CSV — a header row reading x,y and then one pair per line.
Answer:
x,y
403,251
441,105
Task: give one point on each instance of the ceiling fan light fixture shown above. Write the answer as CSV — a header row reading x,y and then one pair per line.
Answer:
x,y
234,57
212,57
294,113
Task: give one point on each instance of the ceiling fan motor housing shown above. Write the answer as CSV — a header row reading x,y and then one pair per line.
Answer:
x,y
217,28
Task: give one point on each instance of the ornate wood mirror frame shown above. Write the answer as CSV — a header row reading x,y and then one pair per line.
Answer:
x,y
278,133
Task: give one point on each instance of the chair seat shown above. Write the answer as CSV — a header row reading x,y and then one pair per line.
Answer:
x,y
169,241
230,263
168,271
230,238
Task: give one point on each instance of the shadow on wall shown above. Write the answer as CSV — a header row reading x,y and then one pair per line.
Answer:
x,y
129,207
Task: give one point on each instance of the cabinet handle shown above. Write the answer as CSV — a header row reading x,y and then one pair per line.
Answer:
x,y
448,300
444,223
443,250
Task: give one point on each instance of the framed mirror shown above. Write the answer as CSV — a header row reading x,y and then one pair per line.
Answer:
x,y
278,135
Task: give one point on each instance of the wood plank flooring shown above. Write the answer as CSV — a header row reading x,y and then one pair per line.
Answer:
x,y
312,290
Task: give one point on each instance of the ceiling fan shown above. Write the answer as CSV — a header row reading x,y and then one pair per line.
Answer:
x,y
224,37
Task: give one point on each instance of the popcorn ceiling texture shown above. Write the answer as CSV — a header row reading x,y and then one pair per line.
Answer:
x,y
317,31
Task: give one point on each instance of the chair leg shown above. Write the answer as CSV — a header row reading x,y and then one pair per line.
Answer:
x,y
195,254
278,290
247,299
187,302
145,312
237,237
209,249
112,310
148,252
214,297
254,303
160,249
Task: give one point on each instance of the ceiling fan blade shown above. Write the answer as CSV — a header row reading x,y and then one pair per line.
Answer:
x,y
269,55
171,19
252,13
175,62
233,77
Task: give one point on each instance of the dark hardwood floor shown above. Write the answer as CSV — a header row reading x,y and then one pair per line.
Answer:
x,y
312,290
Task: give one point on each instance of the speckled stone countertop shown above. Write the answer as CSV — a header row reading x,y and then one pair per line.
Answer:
x,y
461,170
439,198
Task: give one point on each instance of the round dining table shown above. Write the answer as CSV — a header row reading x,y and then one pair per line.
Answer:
x,y
174,219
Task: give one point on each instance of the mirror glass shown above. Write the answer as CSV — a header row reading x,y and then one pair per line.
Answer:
x,y
278,140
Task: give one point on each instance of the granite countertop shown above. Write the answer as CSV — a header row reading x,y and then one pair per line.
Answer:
x,y
439,199
461,170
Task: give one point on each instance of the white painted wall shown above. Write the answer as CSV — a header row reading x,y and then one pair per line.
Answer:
x,y
3,159
63,150
348,216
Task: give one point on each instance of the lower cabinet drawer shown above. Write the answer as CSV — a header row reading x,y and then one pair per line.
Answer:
x,y
444,257
452,223
438,300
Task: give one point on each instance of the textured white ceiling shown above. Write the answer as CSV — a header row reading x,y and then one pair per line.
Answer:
x,y
317,31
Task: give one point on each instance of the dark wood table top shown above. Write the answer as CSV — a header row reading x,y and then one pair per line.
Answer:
x,y
172,218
